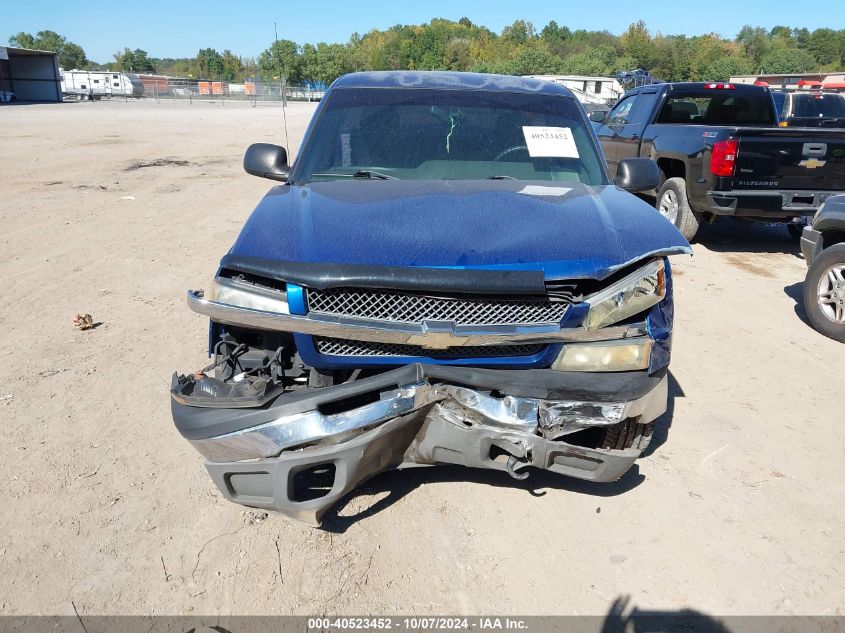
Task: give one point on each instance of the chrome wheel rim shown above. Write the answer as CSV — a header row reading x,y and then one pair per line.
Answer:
x,y
668,206
831,293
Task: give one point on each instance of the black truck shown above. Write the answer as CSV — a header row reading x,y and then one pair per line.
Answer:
x,y
721,152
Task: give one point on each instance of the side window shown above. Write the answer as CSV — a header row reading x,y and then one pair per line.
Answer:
x,y
622,111
116,84
597,88
642,108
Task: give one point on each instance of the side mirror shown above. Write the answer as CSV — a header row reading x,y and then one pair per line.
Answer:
x,y
597,116
267,161
637,174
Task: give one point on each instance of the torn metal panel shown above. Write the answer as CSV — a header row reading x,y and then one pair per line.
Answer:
x,y
549,418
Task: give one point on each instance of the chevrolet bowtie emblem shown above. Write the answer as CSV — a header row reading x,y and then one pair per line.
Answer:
x,y
437,340
812,163
437,335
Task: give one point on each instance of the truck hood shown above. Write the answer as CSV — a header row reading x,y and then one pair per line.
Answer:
x,y
566,230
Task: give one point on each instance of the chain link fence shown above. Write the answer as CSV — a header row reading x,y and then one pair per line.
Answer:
x,y
254,93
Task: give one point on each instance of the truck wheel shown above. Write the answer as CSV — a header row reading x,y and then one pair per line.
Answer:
x,y
627,434
673,205
824,292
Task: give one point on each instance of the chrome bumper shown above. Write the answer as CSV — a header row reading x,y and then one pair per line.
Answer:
x,y
418,424
550,419
428,335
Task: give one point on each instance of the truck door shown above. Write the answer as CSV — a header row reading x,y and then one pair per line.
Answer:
x,y
611,128
631,132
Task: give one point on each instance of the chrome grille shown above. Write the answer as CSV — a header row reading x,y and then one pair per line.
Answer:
x,y
345,347
387,305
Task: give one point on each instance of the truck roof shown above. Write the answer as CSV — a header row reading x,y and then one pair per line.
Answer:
x,y
694,86
442,80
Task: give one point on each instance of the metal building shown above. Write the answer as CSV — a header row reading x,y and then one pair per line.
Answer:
x,y
31,75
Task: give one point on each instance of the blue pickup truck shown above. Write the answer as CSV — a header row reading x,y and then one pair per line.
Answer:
x,y
445,275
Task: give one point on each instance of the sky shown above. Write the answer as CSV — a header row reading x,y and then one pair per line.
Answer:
x,y
179,28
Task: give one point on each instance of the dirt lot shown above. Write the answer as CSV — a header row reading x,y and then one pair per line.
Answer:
x,y
116,208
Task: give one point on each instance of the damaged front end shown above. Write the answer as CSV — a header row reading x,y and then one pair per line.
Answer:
x,y
322,378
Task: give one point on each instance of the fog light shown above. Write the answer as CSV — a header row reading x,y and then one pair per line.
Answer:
x,y
625,355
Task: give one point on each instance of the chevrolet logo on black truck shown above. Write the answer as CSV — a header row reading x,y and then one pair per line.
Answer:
x,y
812,163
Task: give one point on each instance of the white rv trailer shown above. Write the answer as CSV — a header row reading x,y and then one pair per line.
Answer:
x,y
90,84
599,90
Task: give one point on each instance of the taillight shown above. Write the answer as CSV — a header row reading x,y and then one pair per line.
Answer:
x,y
723,157
719,86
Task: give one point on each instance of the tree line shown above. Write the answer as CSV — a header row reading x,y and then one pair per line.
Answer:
x,y
519,49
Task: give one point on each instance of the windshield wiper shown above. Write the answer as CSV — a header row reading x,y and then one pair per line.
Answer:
x,y
361,173
500,178
369,173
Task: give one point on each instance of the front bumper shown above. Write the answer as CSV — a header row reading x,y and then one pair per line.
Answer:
x,y
269,456
811,244
764,204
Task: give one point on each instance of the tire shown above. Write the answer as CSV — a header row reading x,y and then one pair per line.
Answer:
x,y
795,230
627,434
673,204
824,292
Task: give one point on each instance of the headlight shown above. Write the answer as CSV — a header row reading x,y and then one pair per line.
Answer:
x,y
624,355
246,295
629,296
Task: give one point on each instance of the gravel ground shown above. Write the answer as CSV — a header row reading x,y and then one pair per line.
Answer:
x,y
116,208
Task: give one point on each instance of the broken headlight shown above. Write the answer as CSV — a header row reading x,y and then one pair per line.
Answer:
x,y
246,293
630,295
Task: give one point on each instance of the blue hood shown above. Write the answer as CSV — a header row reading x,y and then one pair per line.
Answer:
x,y
567,230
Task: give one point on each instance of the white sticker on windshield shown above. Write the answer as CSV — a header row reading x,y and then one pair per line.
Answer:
x,y
540,190
549,142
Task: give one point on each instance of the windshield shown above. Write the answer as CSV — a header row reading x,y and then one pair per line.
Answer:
x,y
829,105
419,134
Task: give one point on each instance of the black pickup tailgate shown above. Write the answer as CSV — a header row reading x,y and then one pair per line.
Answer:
x,y
790,159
